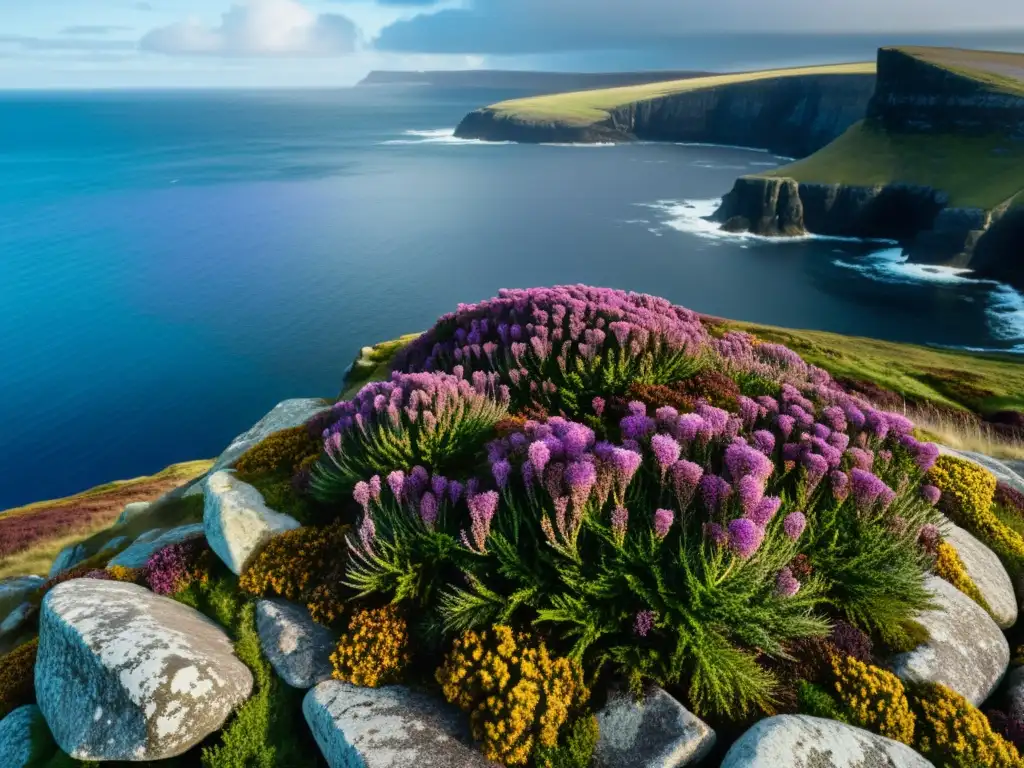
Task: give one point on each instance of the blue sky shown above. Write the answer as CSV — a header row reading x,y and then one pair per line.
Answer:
x,y
140,43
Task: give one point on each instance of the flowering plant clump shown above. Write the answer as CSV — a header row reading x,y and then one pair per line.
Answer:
x,y
563,346
282,452
375,649
178,566
517,693
950,567
304,565
436,419
953,732
873,699
17,668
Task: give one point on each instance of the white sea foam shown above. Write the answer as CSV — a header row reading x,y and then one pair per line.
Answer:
x,y
1006,315
718,146
578,144
439,136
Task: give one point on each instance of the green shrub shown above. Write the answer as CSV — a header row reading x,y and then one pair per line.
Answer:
x,y
518,695
575,749
17,677
280,453
815,701
280,494
950,567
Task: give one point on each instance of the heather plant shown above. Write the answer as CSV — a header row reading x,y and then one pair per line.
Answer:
x,y
561,347
375,649
177,566
953,733
434,419
518,694
17,670
280,453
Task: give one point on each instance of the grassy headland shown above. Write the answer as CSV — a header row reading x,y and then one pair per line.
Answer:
x,y
997,70
583,108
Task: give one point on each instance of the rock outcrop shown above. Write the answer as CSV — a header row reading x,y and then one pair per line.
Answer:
x,y
138,554
392,727
967,652
285,415
14,591
793,116
811,742
238,523
656,733
999,253
297,647
123,674
25,739
68,558
988,573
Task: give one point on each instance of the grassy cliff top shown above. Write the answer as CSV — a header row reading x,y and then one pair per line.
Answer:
x,y
976,172
583,108
998,70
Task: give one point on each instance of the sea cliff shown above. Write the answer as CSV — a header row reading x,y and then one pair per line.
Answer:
x,y
789,115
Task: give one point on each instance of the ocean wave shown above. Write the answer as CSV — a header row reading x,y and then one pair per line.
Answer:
x,y
578,144
690,216
718,146
439,136
1004,304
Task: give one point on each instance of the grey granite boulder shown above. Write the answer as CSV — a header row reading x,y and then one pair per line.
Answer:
x,y
68,558
799,741
967,651
14,591
297,647
658,732
151,535
123,674
988,573
1015,693
25,740
16,621
114,544
138,554
1006,472
285,415
391,727
237,521
131,511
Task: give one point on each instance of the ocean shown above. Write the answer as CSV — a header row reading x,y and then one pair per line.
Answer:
x,y
172,264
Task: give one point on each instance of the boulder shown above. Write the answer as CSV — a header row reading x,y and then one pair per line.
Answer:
x,y
392,727
967,651
131,511
297,647
1015,694
68,558
24,738
988,573
114,544
290,413
238,523
14,591
149,677
1006,472
799,741
658,732
16,620
138,554
151,535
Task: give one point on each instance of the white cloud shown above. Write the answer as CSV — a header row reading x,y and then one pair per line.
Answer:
x,y
256,28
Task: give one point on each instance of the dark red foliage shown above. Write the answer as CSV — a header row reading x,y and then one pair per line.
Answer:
x,y
1009,497
1008,727
850,641
881,397
1012,419
800,566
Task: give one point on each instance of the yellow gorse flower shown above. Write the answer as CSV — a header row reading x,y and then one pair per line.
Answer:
x,y
374,650
952,732
950,567
873,698
517,694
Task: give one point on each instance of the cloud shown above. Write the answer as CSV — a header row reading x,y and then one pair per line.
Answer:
x,y
93,29
257,28
541,26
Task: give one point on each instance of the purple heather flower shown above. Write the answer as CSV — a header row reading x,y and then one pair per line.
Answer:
x,y
685,477
455,489
745,537
885,455
438,485
576,439
835,418
714,491
396,482
926,456
428,509
840,482
792,451
899,424
786,584
716,534
598,405
886,497
636,408
361,493
815,467
501,471
877,424
717,418
419,479
751,491
786,425
620,522
861,458
375,487
931,494
794,525
765,511
624,464
839,440
636,426
482,507
866,488
367,533
666,452
929,537
821,431
663,519
855,416
764,441
742,460
581,477
644,623
539,455
769,404
750,411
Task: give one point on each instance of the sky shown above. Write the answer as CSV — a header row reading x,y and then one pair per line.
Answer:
x,y
315,43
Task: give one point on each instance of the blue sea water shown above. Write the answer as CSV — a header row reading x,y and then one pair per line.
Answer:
x,y
172,264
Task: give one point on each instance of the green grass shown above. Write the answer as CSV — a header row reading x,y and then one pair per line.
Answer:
x,y
976,172
583,108
997,70
373,364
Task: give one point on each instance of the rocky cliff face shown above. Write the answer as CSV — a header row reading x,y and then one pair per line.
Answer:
x,y
792,116
915,96
999,253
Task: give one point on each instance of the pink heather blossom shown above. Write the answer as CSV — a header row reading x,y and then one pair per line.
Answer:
x,y
361,493
765,510
716,534
840,482
644,623
539,455
786,425
794,525
666,452
482,507
598,405
375,487
663,519
620,522
581,478
931,494
501,471
428,509
745,537
786,584
396,482
685,477
750,490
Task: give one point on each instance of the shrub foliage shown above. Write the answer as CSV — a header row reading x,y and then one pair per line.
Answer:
x,y
375,649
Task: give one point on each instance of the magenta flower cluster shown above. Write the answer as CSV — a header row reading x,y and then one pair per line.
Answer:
x,y
170,569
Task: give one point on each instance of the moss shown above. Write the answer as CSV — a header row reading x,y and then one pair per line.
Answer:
x,y
815,701
576,748
17,670
905,636
280,495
